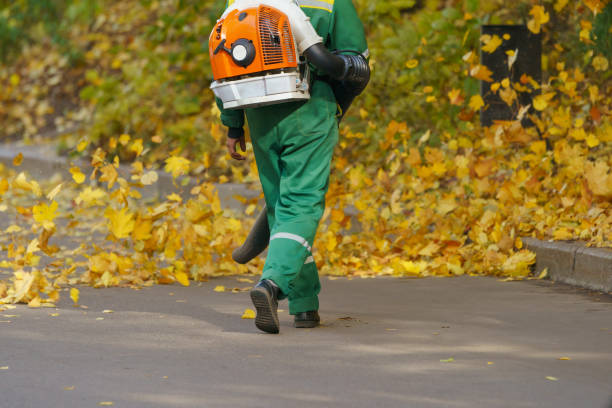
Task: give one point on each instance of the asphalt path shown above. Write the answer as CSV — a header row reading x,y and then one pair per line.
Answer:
x,y
438,342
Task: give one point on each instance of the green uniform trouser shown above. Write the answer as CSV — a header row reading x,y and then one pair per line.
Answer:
x,y
293,145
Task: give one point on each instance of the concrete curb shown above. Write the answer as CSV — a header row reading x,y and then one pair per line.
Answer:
x,y
573,263
43,161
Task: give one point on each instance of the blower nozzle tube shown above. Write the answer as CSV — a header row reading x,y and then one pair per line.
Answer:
x,y
351,69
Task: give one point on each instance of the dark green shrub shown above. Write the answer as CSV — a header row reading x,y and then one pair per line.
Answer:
x,y
602,33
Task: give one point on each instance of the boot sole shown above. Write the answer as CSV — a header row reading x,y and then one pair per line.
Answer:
x,y
306,324
266,319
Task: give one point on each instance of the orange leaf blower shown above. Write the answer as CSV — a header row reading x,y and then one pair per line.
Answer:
x,y
260,50
255,50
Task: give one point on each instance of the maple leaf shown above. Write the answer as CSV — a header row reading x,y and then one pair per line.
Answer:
x,y
476,102
142,230
12,229
446,206
121,223
137,147
124,139
44,214
430,249
596,6
600,63
560,5
35,302
82,145
109,174
539,17
485,167
481,72
90,197
592,140
598,178
540,102
149,178
4,186
412,63
517,265
74,295
21,182
17,160
508,95
177,166
174,197
77,175
491,43
455,97
15,79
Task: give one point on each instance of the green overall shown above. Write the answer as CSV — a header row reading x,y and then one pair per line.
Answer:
x,y
293,145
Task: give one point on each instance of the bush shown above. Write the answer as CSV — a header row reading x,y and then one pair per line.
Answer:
x,y
141,66
602,31
28,21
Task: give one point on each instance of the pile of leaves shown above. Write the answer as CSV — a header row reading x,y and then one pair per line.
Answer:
x,y
408,197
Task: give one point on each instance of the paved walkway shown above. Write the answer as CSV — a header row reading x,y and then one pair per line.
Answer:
x,y
462,342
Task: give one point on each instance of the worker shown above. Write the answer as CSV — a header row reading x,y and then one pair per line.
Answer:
x,y
293,144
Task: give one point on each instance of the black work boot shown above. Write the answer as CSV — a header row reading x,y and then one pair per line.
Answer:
x,y
307,319
265,299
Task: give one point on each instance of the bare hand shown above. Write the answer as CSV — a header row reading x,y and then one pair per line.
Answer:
x,y
231,147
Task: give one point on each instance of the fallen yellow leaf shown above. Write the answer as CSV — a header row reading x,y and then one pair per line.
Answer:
x,y
121,223
543,274
74,295
124,139
539,17
44,214
82,145
54,192
17,160
77,175
177,166
491,43
412,63
12,229
476,102
182,278
481,72
149,178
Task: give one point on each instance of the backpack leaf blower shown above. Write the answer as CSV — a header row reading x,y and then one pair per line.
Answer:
x,y
260,50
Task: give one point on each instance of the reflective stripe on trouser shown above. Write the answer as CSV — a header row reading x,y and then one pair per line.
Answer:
x,y
293,146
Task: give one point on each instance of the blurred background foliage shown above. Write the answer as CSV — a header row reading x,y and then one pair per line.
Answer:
x,y
90,71
28,21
